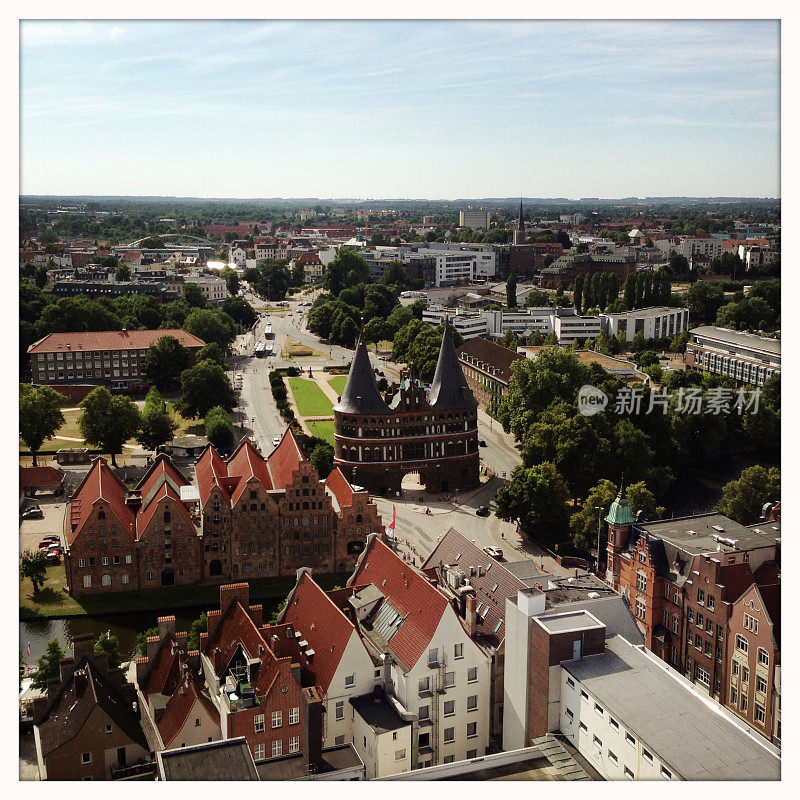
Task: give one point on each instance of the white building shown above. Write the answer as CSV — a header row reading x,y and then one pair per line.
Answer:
x,y
477,220
571,326
485,255
755,257
214,289
238,255
658,322
704,248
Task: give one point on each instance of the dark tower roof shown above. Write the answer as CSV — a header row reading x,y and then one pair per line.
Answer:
x,y
361,384
449,389
521,222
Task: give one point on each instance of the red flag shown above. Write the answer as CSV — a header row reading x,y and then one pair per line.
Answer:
x,y
393,522
28,650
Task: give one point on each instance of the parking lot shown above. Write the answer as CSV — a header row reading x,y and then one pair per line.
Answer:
x,y
31,531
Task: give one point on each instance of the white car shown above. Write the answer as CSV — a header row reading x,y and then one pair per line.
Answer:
x,y
276,440
494,552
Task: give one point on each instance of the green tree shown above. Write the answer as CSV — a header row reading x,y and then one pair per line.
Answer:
x,y
511,291
629,292
198,626
204,386
678,265
231,278
141,640
193,295
348,268
584,524
240,311
703,301
39,415
48,665
321,458
211,326
375,330
219,429
535,497
106,643
537,299
577,293
33,566
211,352
164,361
157,425
771,392
107,421
509,340
743,499
122,272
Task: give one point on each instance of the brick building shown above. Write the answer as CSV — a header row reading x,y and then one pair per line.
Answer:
x,y
99,358
487,368
527,259
564,270
246,517
435,433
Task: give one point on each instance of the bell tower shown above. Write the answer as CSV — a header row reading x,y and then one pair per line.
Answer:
x,y
619,519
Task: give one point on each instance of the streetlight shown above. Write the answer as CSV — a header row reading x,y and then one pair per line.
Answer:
x,y
598,509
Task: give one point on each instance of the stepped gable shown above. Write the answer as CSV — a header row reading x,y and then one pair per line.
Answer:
x,y
284,460
211,471
361,395
449,389
165,669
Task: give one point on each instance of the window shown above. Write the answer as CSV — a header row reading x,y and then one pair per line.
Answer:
x,y
458,650
763,657
760,714
700,619
87,581
449,734
294,744
81,562
449,708
349,680
667,590
105,561
741,643
472,702
701,596
641,581
598,742
570,683
735,667
399,755
628,774
433,657
449,680
424,686
339,741
734,695
108,729
640,608
340,709
629,739
258,723
128,559
666,773
449,759
86,758
472,754
294,715
258,751
424,712
106,580
647,755
584,696
570,715
598,708
751,623
472,675
613,723
745,674
710,603
472,730
277,748
612,756
743,702
277,719
583,727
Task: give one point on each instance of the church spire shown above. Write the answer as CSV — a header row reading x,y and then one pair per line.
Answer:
x,y
521,222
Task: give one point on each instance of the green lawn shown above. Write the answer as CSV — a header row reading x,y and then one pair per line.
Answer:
x,y
321,428
311,400
338,383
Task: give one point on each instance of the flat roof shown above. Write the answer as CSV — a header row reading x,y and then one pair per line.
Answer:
x,y
226,760
293,767
568,621
377,713
691,733
695,535
653,311
739,338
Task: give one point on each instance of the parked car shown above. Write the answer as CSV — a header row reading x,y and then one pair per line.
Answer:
x,y
34,512
383,358
47,541
482,511
52,537
54,557
494,552
55,547
276,440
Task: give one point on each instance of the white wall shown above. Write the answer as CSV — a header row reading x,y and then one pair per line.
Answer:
x,y
515,684
378,750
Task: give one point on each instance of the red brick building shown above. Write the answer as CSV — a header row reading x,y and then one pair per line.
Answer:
x,y
487,368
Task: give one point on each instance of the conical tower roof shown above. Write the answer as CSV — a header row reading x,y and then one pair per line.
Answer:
x,y
361,395
521,222
449,389
620,512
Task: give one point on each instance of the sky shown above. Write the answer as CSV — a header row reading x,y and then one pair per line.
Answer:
x,y
439,110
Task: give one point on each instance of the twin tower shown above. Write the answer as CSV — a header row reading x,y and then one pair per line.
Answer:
x,y
380,439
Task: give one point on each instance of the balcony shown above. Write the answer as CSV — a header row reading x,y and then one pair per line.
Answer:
x,y
142,771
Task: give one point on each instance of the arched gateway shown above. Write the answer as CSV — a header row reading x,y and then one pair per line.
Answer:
x,y
379,439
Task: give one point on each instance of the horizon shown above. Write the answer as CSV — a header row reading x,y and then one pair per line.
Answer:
x,y
420,110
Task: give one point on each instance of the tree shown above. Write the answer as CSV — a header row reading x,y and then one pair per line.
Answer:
x,y
678,265
219,429
537,299
204,386
231,278
752,313
703,301
141,640
535,497
348,268
108,421
157,425
743,499
771,392
39,415
33,566
198,626
48,665
193,295
321,458
511,291
164,361
122,272
106,643
629,292
583,523
240,311
375,330
509,340
577,294
211,326
211,352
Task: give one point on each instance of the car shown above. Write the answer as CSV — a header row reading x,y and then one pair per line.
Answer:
x,y
494,552
51,537
383,358
47,541
276,440
482,511
34,512
54,557
482,443
55,546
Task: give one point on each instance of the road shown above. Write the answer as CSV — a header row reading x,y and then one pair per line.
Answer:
x,y
417,531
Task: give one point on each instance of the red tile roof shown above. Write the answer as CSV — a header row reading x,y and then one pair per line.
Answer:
x,y
179,707
31,477
735,578
284,460
109,340
246,463
323,625
211,471
100,484
340,486
165,669
409,592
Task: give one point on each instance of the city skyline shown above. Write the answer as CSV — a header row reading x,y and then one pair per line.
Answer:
x,y
384,110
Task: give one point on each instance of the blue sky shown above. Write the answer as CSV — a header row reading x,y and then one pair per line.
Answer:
x,y
400,109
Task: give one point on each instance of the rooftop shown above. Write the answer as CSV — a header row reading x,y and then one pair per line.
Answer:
x,y
738,338
565,622
227,760
377,713
293,767
691,734
109,340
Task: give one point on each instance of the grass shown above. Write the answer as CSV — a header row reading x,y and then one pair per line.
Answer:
x,y
297,350
322,429
310,399
54,602
338,383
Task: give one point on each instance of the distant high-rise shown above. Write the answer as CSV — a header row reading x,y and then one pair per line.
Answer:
x,y
477,220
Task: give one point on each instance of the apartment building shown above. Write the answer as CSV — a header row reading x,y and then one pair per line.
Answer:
x,y
745,357
477,220
99,358
658,322
704,248
214,289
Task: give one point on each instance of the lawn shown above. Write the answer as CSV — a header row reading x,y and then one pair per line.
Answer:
x,y
338,383
311,400
321,428
293,349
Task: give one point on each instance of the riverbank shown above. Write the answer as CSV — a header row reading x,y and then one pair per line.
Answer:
x,y
54,603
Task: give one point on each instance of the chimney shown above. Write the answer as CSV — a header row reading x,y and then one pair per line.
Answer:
x,y
166,625
83,645
231,593
470,615
311,703
134,501
66,667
